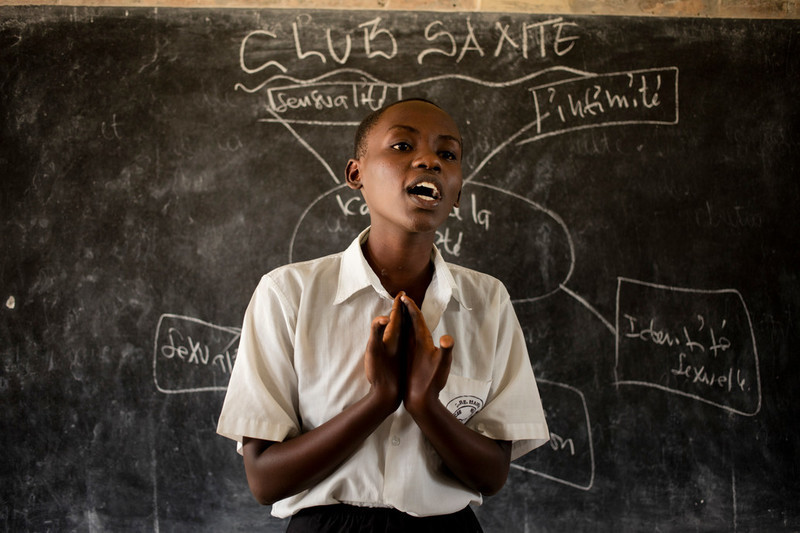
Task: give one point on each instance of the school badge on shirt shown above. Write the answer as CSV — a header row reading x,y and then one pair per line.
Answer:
x,y
464,407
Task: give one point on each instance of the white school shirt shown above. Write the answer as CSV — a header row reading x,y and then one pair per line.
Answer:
x,y
300,362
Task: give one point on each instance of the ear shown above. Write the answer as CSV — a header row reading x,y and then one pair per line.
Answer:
x,y
352,174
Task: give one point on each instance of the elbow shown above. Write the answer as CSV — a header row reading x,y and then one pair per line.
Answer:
x,y
494,478
263,494
491,490
259,476
263,500
493,486
487,482
264,488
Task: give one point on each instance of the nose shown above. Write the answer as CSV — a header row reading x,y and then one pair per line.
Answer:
x,y
428,159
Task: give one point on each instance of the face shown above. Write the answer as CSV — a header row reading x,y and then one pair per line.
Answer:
x,y
410,172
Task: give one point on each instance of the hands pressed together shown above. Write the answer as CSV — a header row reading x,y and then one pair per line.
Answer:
x,y
402,363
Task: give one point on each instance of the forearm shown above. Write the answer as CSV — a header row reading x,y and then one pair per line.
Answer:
x,y
281,469
481,463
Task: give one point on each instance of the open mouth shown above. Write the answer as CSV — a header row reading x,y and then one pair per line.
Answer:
x,y
426,190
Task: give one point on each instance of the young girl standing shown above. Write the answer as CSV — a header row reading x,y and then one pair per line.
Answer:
x,y
349,415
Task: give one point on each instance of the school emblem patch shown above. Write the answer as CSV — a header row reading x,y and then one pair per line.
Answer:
x,y
464,407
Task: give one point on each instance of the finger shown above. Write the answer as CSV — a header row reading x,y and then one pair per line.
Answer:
x,y
417,319
446,344
392,331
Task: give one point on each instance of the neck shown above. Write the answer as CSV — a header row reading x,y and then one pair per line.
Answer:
x,y
401,264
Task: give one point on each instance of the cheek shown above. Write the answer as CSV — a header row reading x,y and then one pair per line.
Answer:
x,y
455,192
373,191
387,169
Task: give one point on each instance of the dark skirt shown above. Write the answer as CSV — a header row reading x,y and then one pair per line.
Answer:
x,y
352,519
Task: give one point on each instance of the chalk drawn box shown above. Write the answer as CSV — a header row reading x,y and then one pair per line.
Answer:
x,y
694,343
190,355
569,456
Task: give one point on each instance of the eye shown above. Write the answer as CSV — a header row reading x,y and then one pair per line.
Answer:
x,y
402,146
448,155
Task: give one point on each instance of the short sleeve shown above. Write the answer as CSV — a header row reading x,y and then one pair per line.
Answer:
x,y
261,400
513,409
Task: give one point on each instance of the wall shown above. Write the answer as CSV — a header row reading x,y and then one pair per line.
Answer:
x,y
662,8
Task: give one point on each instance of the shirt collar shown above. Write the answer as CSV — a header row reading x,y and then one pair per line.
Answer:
x,y
355,275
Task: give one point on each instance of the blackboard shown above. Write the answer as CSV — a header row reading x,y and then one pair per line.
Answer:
x,y
633,181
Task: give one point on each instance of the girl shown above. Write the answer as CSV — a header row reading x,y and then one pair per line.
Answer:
x,y
347,426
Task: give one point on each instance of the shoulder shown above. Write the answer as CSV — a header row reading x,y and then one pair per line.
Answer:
x,y
477,287
292,279
304,269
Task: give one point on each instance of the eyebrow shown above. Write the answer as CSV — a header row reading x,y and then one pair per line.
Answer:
x,y
412,129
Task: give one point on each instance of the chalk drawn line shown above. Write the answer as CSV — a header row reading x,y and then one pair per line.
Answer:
x,y
305,213
305,145
154,476
591,309
558,220
366,77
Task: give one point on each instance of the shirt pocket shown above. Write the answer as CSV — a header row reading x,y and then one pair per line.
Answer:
x,y
464,397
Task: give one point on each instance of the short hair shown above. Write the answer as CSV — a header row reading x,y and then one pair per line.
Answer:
x,y
366,125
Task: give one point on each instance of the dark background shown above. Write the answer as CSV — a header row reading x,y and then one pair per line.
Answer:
x,y
147,184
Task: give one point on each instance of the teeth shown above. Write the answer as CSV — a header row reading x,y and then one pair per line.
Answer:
x,y
426,188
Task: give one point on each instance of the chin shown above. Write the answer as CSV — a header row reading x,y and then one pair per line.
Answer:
x,y
423,227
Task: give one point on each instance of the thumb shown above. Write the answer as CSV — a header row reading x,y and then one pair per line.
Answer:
x,y
375,343
446,344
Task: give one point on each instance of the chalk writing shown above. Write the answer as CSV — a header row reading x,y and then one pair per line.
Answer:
x,y
194,352
559,443
354,205
569,457
735,217
695,343
480,217
662,336
190,355
451,245
713,344
361,96
701,375
526,38
264,49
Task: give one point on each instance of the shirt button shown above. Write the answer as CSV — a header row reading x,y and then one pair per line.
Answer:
x,y
395,441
